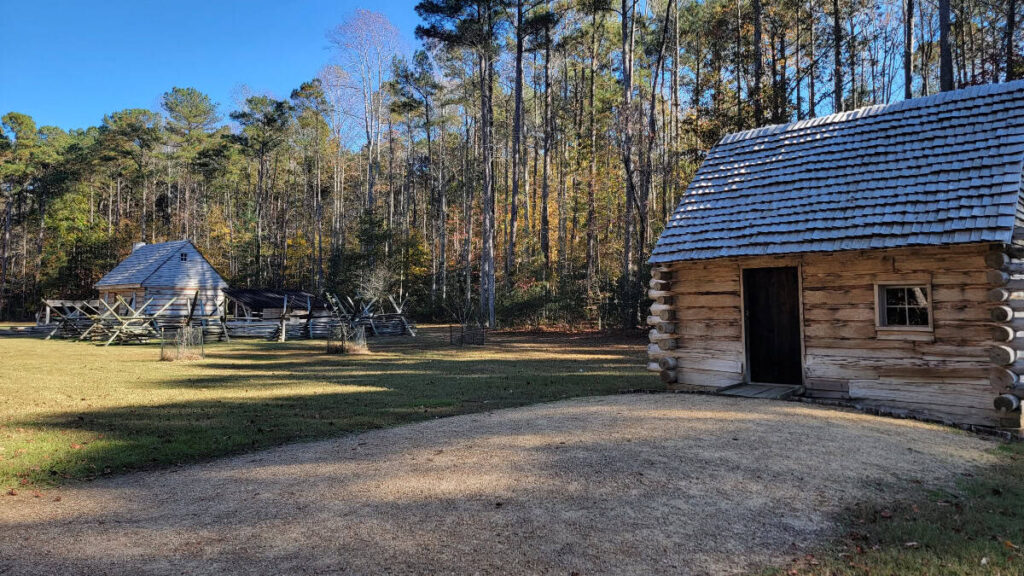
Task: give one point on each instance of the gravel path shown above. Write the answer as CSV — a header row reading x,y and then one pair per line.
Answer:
x,y
634,484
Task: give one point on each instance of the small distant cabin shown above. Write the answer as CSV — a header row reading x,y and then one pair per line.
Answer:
x,y
872,257
158,273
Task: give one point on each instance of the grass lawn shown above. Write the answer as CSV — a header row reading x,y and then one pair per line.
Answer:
x,y
977,529
72,410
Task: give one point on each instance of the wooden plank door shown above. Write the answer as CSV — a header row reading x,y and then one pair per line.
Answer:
x,y
771,304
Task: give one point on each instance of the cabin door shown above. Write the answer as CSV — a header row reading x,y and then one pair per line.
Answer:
x,y
771,307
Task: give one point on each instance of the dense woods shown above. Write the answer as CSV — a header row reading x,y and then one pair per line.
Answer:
x,y
517,167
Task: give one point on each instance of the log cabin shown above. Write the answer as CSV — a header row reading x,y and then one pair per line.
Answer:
x,y
157,273
872,257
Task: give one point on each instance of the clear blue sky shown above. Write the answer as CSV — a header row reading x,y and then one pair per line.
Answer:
x,y
68,63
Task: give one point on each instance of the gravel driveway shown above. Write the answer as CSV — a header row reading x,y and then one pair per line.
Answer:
x,y
633,484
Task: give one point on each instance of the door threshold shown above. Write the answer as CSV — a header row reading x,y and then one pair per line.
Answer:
x,y
756,390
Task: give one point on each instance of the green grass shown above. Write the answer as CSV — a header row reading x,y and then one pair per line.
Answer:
x,y
72,410
976,529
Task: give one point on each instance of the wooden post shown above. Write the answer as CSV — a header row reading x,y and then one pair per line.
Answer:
x,y
309,318
284,319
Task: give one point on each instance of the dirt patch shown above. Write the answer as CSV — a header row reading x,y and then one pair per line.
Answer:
x,y
635,484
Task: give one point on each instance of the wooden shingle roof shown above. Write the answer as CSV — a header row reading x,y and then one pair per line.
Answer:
x,y
945,169
160,265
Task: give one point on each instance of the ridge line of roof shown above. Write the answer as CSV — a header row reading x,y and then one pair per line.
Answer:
x,y
837,117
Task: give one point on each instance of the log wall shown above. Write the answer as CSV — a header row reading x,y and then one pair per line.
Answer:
x,y
210,301
958,372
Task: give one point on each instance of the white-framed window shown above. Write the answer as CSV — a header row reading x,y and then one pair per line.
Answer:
x,y
904,306
184,257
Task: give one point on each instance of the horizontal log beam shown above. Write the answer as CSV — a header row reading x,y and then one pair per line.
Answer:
x,y
1011,250
661,274
1006,403
996,260
1004,295
658,336
654,351
1005,280
653,367
666,315
652,293
668,363
1002,379
1002,355
663,311
1008,312
668,376
1001,261
1016,368
1006,334
653,320
666,327
658,284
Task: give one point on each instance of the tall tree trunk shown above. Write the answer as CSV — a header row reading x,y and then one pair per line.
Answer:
x,y
812,102
629,304
467,214
851,55
142,214
4,251
260,199
545,232
442,193
926,32
1010,57
837,48
40,242
486,128
945,49
652,136
391,185
563,169
758,65
799,68
675,113
517,136
318,226
592,173
738,65
908,49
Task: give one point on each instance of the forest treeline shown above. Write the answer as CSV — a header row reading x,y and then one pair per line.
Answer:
x,y
517,168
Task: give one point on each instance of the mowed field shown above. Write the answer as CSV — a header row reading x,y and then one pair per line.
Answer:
x,y
72,410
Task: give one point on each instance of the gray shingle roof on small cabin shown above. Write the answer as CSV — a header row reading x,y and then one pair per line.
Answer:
x,y
159,265
945,169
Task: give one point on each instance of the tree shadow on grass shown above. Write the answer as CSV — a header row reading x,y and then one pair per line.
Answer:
x,y
295,392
